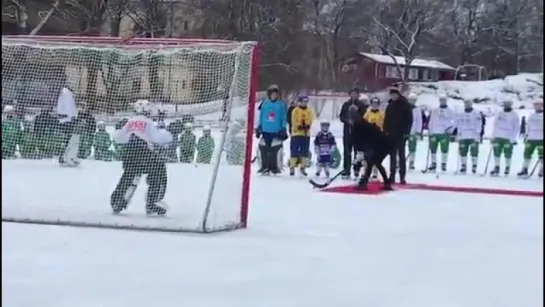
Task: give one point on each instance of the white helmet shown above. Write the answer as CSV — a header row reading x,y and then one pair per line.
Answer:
x,y
412,96
141,106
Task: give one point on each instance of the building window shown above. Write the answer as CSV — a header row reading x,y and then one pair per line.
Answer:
x,y
186,25
391,72
413,74
425,74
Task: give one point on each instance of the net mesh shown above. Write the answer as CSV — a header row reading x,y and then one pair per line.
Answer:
x,y
199,91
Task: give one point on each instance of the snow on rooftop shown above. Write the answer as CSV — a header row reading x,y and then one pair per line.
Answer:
x,y
386,59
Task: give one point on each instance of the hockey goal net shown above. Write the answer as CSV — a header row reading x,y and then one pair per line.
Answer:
x,y
200,91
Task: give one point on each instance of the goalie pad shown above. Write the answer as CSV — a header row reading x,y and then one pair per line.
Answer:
x,y
270,157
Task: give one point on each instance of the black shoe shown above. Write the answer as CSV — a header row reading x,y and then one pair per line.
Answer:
x,y
262,170
361,187
387,187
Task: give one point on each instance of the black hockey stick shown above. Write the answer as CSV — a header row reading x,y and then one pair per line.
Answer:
x,y
327,183
254,159
533,170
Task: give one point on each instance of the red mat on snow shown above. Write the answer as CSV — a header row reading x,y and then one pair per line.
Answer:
x,y
374,188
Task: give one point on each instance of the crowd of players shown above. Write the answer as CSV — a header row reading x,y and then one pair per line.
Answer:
x,y
370,134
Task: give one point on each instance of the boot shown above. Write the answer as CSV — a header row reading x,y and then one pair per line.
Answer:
x,y
433,167
523,172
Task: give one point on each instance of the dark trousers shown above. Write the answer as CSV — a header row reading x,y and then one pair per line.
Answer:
x,y
139,160
397,157
348,149
374,160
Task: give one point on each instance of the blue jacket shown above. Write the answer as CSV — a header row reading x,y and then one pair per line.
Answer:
x,y
273,116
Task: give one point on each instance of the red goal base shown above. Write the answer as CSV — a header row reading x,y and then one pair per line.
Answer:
x,y
374,188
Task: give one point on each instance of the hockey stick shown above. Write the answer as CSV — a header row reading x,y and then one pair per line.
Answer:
x,y
487,162
254,159
425,170
327,183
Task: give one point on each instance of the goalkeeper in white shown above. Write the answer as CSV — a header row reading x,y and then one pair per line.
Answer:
x,y
533,139
67,114
468,124
140,138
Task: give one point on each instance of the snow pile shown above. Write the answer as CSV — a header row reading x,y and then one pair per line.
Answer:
x,y
522,89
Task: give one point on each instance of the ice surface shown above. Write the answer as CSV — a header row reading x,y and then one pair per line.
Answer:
x,y
302,248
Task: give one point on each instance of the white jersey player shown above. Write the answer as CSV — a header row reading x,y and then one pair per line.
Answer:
x,y
533,139
139,138
67,113
504,137
440,127
416,129
468,126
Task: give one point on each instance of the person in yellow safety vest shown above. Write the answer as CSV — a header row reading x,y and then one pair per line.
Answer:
x,y
375,116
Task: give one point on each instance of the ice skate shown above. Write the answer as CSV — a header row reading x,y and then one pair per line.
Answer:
x,y
292,171
507,170
432,167
411,166
443,167
474,169
156,209
303,172
523,172
495,171
463,169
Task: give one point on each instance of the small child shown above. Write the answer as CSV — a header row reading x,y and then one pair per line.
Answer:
x,y
205,146
324,146
187,144
375,116
102,143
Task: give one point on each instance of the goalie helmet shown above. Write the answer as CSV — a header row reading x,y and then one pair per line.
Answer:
x,y
141,106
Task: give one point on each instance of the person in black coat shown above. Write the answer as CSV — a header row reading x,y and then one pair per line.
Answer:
x,y
371,145
398,119
347,140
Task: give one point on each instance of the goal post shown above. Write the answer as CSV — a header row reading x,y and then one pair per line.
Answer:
x,y
201,92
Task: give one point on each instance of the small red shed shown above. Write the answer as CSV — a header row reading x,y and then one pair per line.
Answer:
x,y
374,72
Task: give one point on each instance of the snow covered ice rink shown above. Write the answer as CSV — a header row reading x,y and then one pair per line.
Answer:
x,y
303,247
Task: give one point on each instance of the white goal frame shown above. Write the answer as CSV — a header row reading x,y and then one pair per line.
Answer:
x,y
157,44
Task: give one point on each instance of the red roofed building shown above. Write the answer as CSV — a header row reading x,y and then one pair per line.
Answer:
x,y
374,72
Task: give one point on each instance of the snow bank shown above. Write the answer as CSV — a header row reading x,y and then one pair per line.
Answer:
x,y
522,89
